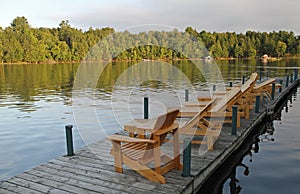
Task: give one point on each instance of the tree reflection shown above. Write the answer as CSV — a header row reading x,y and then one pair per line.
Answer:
x,y
28,83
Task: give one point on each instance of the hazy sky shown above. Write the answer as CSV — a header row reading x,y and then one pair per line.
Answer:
x,y
210,15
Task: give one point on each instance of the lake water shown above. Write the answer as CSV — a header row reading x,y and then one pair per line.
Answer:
x,y
38,100
268,161
275,167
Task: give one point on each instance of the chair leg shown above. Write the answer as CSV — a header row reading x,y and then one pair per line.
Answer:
x,y
238,122
210,142
144,170
176,150
247,112
157,160
117,152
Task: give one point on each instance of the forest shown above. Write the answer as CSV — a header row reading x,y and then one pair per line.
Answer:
x,y
20,42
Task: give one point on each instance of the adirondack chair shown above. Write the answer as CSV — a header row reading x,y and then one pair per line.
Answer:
x,y
200,126
240,96
201,123
190,111
205,117
260,89
223,109
265,87
246,102
138,153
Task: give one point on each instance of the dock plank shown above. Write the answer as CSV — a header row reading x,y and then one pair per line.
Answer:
x,y
4,191
78,180
17,188
174,177
30,184
56,185
129,177
107,179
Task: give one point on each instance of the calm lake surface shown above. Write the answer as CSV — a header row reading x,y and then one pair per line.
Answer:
x,y
38,100
275,167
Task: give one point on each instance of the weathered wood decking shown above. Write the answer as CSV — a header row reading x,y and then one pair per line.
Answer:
x,y
91,170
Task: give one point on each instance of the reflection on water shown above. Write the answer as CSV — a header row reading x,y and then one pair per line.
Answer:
x,y
22,86
235,69
36,101
268,162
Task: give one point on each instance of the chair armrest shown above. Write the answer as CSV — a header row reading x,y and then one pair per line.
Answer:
x,y
204,98
167,130
126,139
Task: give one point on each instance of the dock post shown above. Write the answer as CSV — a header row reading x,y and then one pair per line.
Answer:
x,y
243,81
234,119
296,73
230,84
214,87
291,80
186,94
146,107
287,81
69,138
186,171
280,89
257,104
260,74
273,91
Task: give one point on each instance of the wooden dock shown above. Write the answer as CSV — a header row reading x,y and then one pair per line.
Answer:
x,y
91,169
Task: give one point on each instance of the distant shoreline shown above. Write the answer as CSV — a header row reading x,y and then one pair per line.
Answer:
x,y
192,59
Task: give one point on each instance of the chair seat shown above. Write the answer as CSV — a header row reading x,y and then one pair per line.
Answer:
x,y
134,151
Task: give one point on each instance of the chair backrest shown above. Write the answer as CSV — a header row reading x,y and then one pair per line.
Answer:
x,y
230,96
249,83
235,93
265,83
166,120
193,121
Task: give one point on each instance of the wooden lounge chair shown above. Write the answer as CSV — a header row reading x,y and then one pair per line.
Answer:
x,y
206,121
200,126
223,108
245,101
138,153
240,96
191,111
203,120
258,89
265,87
206,118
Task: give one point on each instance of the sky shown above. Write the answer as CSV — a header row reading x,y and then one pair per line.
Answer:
x,y
210,15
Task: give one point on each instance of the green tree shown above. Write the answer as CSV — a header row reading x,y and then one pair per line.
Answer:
x,y
216,50
12,49
20,24
237,51
280,48
1,45
22,43
249,49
